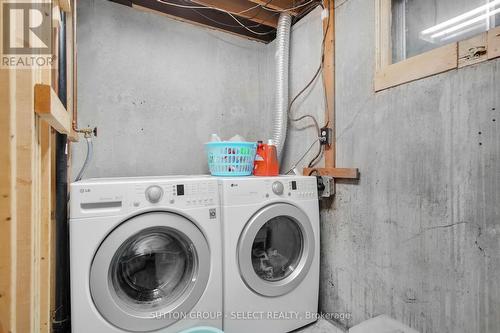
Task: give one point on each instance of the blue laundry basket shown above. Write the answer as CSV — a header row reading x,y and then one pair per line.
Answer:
x,y
203,330
230,158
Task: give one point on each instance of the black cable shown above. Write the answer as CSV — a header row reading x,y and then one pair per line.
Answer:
x,y
307,86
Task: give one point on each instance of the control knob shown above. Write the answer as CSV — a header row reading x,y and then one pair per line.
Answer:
x,y
278,188
154,193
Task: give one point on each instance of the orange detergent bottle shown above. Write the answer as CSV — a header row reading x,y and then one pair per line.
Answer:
x,y
266,160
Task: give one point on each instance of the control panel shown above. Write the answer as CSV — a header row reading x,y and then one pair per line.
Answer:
x,y
256,189
114,198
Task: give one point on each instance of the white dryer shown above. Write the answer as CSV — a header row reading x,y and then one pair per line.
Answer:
x,y
145,255
271,253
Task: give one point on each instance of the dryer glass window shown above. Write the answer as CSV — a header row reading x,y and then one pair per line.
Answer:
x,y
277,249
153,268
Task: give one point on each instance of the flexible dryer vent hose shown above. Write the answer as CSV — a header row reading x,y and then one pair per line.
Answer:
x,y
282,67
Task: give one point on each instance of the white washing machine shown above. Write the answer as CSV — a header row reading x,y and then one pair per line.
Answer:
x,y
145,255
271,253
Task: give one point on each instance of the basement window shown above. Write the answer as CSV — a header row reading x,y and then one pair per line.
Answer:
x,y
419,26
420,38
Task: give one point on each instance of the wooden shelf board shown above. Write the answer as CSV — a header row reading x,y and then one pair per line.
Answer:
x,y
345,173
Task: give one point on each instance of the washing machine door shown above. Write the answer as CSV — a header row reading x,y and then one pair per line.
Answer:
x,y
276,249
150,271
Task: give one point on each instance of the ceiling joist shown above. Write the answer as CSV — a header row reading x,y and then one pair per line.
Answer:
x,y
252,19
280,5
244,8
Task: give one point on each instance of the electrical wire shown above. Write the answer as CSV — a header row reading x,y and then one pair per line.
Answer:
x,y
220,10
289,9
302,157
258,24
232,14
318,71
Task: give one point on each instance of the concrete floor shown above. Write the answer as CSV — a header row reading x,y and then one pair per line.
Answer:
x,y
321,326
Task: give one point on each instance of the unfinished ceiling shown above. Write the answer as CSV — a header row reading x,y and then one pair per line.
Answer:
x,y
254,19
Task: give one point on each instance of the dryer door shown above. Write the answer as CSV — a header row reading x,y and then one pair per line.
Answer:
x,y
276,249
149,271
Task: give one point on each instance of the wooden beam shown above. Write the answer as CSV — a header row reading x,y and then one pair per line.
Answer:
x,y
344,173
45,235
65,5
281,5
329,79
25,207
50,108
7,197
430,63
240,8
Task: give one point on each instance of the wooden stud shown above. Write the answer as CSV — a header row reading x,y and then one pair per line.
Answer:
x,y
494,43
7,197
65,5
50,108
45,234
329,80
344,173
24,205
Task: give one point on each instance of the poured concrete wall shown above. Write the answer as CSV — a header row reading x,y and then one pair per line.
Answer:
x,y
157,88
418,237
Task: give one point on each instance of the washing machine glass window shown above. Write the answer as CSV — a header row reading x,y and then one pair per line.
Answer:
x,y
149,271
153,267
277,249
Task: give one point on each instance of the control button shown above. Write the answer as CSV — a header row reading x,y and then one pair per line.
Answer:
x,y
154,193
278,188
136,204
172,201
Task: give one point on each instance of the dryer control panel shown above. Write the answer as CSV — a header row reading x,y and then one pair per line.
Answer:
x,y
119,196
251,190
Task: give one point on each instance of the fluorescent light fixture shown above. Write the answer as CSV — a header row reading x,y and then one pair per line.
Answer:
x,y
465,24
475,27
462,17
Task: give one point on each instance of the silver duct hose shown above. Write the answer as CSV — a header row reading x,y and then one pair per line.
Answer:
x,y
88,158
282,64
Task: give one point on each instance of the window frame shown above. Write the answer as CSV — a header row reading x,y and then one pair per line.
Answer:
x,y
442,59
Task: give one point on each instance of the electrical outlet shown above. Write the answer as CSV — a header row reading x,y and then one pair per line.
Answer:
x,y
325,137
